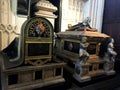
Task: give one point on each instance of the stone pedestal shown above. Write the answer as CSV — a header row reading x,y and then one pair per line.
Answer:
x,y
46,9
81,72
109,68
30,77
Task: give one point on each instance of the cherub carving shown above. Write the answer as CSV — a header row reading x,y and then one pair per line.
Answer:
x,y
107,50
110,50
83,54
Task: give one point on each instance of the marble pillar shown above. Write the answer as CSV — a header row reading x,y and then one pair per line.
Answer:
x,y
7,22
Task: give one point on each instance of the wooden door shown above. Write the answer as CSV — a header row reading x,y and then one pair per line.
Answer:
x,y
111,22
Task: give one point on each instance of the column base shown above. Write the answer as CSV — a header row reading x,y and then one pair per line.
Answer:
x,y
81,79
111,72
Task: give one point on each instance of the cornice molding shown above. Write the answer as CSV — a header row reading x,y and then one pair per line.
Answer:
x,y
45,8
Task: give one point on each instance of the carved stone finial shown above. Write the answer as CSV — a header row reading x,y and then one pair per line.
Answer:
x,y
44,7
44,4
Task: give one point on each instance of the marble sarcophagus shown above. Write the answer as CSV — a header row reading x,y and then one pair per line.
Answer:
x,y
85,53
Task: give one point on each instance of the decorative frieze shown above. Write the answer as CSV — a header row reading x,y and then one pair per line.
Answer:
x,y
7,34
8,28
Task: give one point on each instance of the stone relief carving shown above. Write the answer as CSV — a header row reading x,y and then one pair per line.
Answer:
x,y
8,28
110,50
8,33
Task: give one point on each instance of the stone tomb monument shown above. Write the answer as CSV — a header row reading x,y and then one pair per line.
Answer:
x,y
28,63
81,50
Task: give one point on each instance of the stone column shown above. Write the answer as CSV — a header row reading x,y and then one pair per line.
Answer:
x,y
7,22
4,11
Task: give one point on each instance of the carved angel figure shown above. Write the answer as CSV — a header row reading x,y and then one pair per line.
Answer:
x,y
110,50
83,54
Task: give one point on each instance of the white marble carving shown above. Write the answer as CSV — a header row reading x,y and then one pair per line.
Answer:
x,y
83,54
45,8
110,58
8,33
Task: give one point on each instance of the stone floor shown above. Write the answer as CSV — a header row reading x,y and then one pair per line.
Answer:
x,y
112,83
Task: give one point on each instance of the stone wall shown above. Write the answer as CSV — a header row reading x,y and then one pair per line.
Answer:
x,y
74,11
10,22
